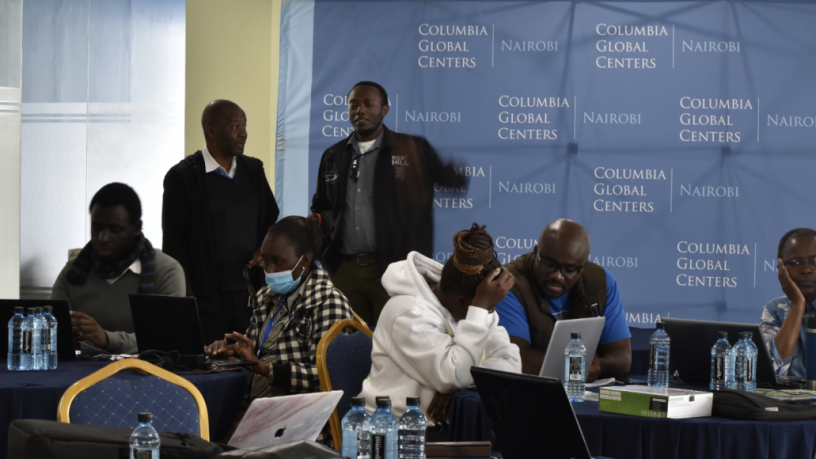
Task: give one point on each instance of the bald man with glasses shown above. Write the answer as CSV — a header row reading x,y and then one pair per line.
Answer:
x,y
556,281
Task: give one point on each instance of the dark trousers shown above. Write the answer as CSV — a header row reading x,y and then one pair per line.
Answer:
x,y
362,285
232,315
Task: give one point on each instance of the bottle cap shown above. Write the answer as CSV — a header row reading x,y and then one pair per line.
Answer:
x,y
412,401
19,310
383,402
747,335
39,309
575,335
723,334
48,309
145,417
32,310
660,325
357,401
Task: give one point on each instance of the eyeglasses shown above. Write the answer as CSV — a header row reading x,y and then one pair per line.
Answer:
x,y
800,263
355,167
549,267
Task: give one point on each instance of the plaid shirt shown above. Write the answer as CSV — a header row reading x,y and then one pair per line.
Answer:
x,y
773,316
308,313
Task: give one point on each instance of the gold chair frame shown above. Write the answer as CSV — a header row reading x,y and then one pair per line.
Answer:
x,y
141,366
323,369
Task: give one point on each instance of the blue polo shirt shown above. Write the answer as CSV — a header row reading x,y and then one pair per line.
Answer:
x,y
514,319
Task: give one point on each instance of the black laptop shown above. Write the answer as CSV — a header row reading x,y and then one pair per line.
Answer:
x,y
691,343
170,324
166,324
61,312
522,407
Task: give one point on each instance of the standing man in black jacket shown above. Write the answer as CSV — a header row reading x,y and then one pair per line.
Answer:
x,y
217,208
375,198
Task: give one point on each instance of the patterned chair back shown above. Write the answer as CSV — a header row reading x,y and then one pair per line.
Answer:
x,y
117,400
111,397
343,363
349,361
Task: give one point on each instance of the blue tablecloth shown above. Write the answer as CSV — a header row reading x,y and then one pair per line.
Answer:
x,y
36,394
633,437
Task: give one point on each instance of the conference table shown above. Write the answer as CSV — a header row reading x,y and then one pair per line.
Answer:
x,y
634,437
36,394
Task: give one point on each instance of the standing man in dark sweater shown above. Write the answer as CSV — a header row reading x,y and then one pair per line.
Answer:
x,y
375,198
217,208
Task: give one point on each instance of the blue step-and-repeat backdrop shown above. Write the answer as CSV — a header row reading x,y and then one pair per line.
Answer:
x,y
681,135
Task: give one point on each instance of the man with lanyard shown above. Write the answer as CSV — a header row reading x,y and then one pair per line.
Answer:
x,y
556,281
375,196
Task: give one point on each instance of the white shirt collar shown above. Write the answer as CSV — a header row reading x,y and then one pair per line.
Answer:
x,y
135,267
211,165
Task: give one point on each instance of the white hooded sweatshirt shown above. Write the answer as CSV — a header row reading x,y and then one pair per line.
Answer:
x,y
420,350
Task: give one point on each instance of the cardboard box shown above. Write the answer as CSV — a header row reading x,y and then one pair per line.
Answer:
x,y
655,402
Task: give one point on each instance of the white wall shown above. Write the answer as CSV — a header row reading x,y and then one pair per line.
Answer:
x,y
11,45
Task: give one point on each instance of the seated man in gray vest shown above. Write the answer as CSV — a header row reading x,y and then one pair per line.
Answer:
x,y
556,281
116,262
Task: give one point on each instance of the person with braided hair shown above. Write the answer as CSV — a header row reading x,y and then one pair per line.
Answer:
x,y
438,323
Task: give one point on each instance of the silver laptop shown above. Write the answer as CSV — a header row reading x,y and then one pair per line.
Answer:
x,y
590,329
277,420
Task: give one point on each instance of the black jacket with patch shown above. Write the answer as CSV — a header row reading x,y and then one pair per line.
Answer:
x,y
405,172
186,228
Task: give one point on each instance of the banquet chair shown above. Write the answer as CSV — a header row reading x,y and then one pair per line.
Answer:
x,y
343,362
360,319
111,397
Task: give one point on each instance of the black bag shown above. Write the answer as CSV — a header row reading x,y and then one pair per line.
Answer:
x,y
57,440
294,450
737,404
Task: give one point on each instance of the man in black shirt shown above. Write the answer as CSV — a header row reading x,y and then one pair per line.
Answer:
x,y
217,208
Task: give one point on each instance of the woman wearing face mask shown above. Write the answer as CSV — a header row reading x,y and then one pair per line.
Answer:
x,y
439,323
291,314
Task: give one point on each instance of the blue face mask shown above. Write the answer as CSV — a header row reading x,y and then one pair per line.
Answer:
x,y
282,282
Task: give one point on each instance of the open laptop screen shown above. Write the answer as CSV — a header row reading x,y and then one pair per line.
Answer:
x,y
522,408
691,342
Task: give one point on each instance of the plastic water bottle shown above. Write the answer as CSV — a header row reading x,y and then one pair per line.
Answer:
x,y
659,345
145,441
411,436
752,384
32,351
15,340
43,335
722,364
575,368
356,437
745,357
49,339
384,427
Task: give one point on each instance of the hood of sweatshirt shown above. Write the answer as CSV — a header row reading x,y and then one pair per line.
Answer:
x,y
414,277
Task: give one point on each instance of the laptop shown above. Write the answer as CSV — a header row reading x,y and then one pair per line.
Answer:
x,y
170,324
591,330
523,407
691,342
274,421
61,312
